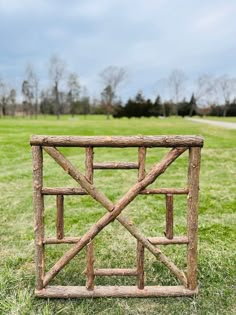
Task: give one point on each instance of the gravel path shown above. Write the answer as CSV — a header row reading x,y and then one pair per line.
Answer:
x,y
229,125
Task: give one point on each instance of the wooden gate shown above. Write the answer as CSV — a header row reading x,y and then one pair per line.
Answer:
x,y
178,145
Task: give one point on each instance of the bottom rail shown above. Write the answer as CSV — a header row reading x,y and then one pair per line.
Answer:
x,y
113,291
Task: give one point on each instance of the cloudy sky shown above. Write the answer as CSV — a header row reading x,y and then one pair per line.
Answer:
x,y
148,37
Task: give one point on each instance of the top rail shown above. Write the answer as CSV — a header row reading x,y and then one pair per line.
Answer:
x,y
117,141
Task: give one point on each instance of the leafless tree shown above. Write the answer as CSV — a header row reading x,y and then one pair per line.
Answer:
x,y
226,87
3,97
176,82
111,78
33,85
57,68
12,102
74,92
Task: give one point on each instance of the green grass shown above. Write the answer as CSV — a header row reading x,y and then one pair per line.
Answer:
x,y
114,247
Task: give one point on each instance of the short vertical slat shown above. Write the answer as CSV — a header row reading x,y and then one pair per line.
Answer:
x,y
140,265
38,200
192,216
60,217
141,163
89,164
169,216
89,266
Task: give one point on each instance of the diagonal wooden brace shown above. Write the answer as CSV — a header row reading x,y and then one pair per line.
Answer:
x,y
115,211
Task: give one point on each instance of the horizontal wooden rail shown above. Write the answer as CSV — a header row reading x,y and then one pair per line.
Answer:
x,y
165,191
80,191
65,240
165,241
117,141
115,272
63,191
113,291
115,165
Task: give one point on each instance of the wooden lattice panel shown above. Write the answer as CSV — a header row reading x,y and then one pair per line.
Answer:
x,y
178,145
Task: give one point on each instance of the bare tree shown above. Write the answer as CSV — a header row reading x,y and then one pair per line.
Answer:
x,y
111,77
27,92
12,102
57,68
226,87
74,91
33,82
3,97
176,81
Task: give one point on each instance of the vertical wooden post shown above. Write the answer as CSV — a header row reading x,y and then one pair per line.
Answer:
x,y
89,164
140,265
89,266
60,217
192,216
141,163
38,200
169,216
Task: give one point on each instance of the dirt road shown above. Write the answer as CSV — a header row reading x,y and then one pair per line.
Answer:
x,y
229,125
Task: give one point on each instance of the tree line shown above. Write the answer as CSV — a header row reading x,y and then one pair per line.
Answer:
x,y
65,95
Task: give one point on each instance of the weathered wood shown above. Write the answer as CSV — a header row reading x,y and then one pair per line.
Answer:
x,y
192,217
166,241
38,214
89,266
113,291
117,141
63,191
60,217
89,164
115,272
169,216
65,240
140,265
141,163
165,191
158,169
80,191
115,165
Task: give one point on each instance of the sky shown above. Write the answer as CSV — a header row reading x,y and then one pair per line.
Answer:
x,y
149,38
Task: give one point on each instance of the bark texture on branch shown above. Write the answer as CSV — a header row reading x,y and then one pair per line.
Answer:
x,y
192,217
60,217
117,141
89,266
38,214
115,166
169,217
140,265
141,163
113,291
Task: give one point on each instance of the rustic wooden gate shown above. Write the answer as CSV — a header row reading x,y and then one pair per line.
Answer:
x,y
178,145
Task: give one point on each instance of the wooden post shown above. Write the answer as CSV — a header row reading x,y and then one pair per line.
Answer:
x,y
38,214
140,265
141,163
169,216
89,164
60,217
192,216
89,266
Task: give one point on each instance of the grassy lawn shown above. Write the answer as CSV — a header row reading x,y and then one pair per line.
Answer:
x,y
114,247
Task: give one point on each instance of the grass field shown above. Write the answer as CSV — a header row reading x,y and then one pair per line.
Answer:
x,y
217,218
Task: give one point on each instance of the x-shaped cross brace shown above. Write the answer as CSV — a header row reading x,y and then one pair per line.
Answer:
x,y
114,211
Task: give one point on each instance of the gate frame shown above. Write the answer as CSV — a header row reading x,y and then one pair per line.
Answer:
x,y
179,144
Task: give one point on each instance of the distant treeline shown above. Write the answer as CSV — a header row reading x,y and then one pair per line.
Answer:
x,y
139,106
64,94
